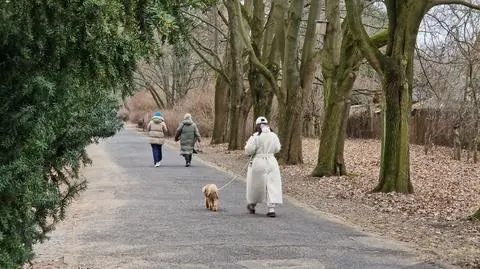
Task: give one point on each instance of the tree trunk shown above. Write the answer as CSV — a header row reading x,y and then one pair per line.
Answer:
x,y
220,124
395,154
340,167
395,67
255,77
246,105
308,66
291,109
236,89
339,77
340,63
330,155
155,96
334,95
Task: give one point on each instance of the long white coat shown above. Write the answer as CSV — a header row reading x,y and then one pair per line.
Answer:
x,y
264,183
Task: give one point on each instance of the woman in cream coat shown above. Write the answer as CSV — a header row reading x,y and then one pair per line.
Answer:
x,y
264,183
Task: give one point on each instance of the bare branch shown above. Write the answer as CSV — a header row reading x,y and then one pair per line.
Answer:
x,y
426,75
246,16
369,50
261,67
453,2
209,51
218,70
206,22
224,19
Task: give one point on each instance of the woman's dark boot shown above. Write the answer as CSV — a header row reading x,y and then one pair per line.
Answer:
x,y
251,208
188,160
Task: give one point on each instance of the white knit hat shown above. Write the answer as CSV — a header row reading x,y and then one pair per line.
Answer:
x,y
261,120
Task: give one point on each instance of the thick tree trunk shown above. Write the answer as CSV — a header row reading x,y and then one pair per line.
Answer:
x,y
243,117
291,133
236,89
340,167
395,154
291,109
330,154
334,94
221,111
308,66
257,83
339,79
340,64
395,67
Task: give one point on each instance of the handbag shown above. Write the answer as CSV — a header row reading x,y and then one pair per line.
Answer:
x,y
196,148
177,135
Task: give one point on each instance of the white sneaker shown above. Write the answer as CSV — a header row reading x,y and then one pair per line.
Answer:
x,y
157,164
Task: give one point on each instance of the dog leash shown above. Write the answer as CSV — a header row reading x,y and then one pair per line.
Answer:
x,y
236,176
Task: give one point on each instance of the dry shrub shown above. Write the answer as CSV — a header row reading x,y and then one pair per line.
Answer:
x,y
141,106
199,103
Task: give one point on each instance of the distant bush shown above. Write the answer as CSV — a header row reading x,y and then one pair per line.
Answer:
x,y
199,103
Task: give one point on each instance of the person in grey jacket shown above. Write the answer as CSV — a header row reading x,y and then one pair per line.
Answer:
x,y
156,132
187,133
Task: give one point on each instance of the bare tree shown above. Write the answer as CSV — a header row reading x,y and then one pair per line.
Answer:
x,y
450,47
169,76
205,26
340,64
395,67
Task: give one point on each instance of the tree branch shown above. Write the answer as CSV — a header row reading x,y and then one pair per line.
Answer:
x,y
246,16
368,48
207,50
453,2
207,23
218,70
261,67
224,19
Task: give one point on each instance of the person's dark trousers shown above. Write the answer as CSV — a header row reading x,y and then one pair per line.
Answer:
x,y
157,153
188,159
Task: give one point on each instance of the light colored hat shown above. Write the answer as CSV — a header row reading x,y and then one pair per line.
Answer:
x,y
261,120
187,116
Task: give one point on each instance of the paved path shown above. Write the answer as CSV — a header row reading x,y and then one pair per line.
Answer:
x,y
136,216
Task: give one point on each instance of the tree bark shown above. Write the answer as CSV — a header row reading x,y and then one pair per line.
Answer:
x,y
395,67
291,108
257,86
236,90
340,63
220,123
308,67
395,154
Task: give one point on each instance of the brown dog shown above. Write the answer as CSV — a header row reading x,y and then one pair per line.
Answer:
x,y
211,196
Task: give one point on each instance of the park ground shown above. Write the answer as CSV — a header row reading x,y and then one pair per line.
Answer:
x,y
127,218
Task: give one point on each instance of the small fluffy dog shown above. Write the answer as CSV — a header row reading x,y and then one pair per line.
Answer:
x,y
211,196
